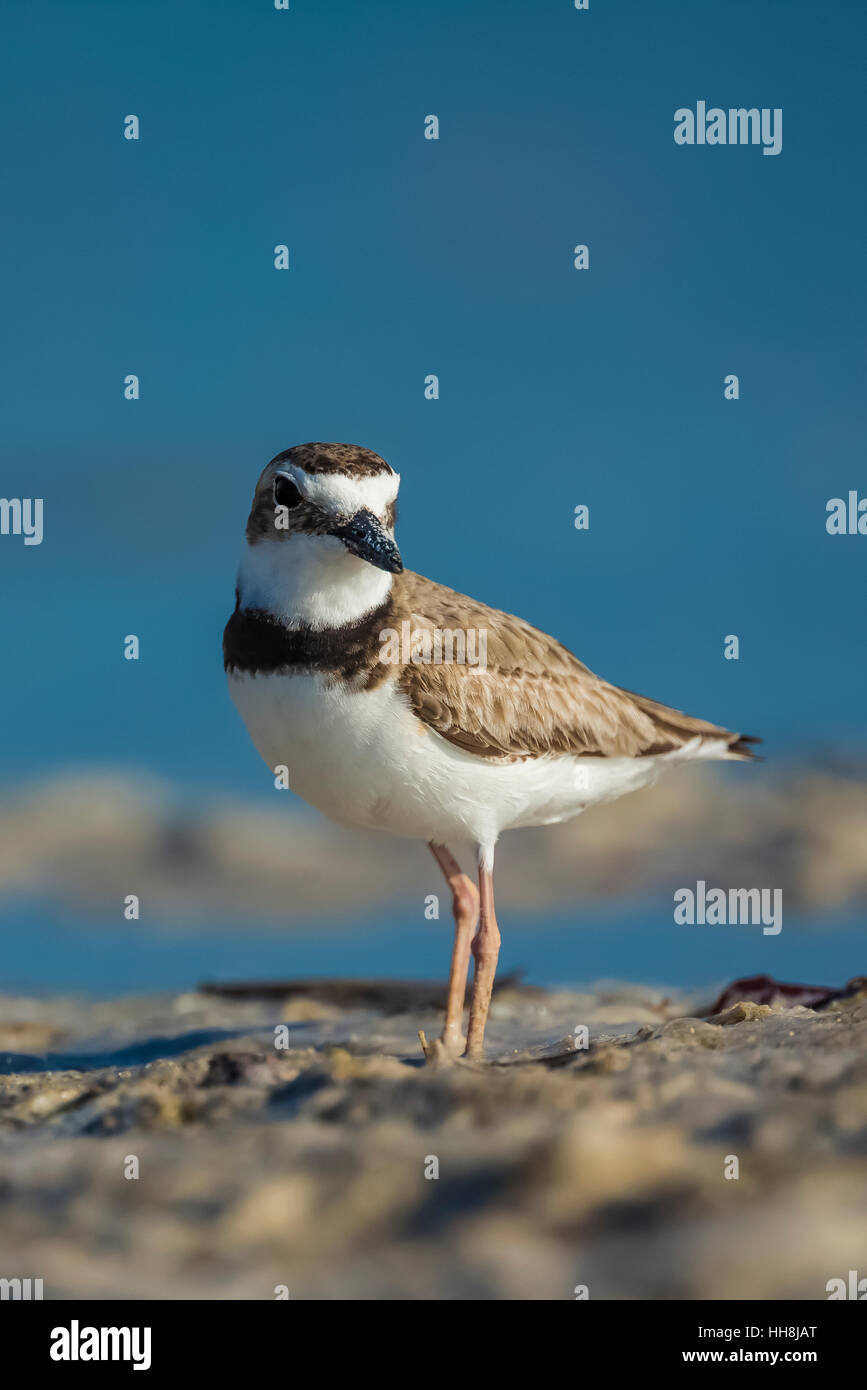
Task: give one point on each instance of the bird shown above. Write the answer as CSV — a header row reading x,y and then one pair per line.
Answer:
x,y
399,705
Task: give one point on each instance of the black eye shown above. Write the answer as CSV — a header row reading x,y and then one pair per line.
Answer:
x,y
286,493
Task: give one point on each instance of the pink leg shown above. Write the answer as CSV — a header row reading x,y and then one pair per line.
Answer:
x,y
486,949
465,907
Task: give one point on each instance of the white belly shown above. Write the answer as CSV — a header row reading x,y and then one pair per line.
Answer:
x,y
365,759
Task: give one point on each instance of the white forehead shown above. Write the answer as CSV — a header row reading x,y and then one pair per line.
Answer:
x,y
336,492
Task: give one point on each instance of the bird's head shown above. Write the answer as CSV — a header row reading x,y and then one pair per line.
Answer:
x,y
322,519
329,496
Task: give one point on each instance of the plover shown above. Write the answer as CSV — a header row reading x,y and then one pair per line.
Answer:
x,y
385,735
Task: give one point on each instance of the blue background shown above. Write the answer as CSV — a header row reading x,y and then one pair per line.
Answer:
x,y
409,257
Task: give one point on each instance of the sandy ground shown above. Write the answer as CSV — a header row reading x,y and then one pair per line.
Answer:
x,y
311,1165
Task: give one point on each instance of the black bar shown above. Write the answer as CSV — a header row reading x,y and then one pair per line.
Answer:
x,y
234,1337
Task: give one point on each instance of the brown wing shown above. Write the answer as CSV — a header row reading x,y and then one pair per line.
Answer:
x,y
529,695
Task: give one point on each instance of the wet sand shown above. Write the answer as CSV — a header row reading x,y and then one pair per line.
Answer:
x,y
293,1141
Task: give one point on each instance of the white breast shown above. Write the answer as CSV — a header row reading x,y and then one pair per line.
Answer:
x,y
365,759
310,581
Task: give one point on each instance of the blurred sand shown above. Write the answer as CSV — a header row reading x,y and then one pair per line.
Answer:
x,y
305,1167
78,842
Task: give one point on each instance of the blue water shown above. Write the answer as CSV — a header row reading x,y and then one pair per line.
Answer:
x,y
42,954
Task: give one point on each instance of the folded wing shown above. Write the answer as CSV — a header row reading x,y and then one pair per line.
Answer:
x,y
529,696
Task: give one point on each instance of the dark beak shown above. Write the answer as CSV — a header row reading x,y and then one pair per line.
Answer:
x,y
366,537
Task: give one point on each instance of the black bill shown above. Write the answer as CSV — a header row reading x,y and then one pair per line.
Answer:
x,y
366,537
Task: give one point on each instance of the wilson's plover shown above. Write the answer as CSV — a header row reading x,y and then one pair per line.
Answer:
x,y
385,735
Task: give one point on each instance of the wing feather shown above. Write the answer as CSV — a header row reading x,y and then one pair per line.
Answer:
x,y
530,697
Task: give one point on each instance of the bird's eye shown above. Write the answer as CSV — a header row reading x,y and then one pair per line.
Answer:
x,y
286,493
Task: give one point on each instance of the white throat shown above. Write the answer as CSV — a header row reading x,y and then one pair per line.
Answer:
x,y
310,581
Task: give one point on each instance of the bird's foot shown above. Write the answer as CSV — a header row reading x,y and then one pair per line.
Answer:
x,y
440,1051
